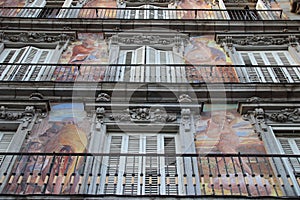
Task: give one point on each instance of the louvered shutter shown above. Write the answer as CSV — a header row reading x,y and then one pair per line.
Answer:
x,y
5,141
270,74
285,59
151,58
170,166
113,164
14,56
137,72
292,146
33,55
132,166
33,12
41,72
151,166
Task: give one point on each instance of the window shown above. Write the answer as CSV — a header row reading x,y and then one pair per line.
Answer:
x,y
269,74
149,55
291,145
5,140
146,12
141,174
27,55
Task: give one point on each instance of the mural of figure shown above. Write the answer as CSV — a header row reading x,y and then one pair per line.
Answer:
x,y
225,132
63,131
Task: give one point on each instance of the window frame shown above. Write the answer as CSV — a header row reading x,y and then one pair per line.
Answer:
x,y
141,187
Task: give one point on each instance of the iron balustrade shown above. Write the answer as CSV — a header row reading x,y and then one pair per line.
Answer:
x,y
100,174
150,73
140,13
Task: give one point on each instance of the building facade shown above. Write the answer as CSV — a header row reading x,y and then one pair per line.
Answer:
x,y
149,99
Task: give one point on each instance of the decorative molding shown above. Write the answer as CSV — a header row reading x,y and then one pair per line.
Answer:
x,y
36,96
103,97
285,115
37,37
186,119
184,98
150,39
15,115
254,99
258,40
144,115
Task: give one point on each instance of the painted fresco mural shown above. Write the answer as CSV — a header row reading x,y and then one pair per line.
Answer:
x,y
90,48
222,130
99,13
65,130
12,3
202,51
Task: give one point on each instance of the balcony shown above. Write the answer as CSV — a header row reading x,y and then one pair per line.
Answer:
x,y
140,13
149,73
185,175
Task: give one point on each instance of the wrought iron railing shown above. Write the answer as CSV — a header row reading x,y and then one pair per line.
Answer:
x,y
247,175
140,13
152,73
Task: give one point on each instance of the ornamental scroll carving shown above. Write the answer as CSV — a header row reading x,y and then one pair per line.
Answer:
x,y
285,115
144,115
36,37
258,40
146,39
6,114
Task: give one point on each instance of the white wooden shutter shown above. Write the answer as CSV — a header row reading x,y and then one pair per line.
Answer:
x,y
291,146
41,72
13,56
113,164
33,12
136,57
270,74
132,166
30,72
170,166
151,169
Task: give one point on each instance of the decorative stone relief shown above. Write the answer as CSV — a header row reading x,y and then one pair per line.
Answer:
x,y
257,119
36,96
286,115
184,98
15,115
257,40
254,99
103,97
185,119
147,39
144,115
36,37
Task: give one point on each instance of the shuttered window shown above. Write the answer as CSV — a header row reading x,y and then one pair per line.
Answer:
x,y
159,72
144,173
291,146
5,141
150,12
27,55
274,73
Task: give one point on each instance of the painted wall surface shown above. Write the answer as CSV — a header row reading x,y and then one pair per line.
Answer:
x,y
65,130
222,130
193,4
203,50
101,13
12,3
90,48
